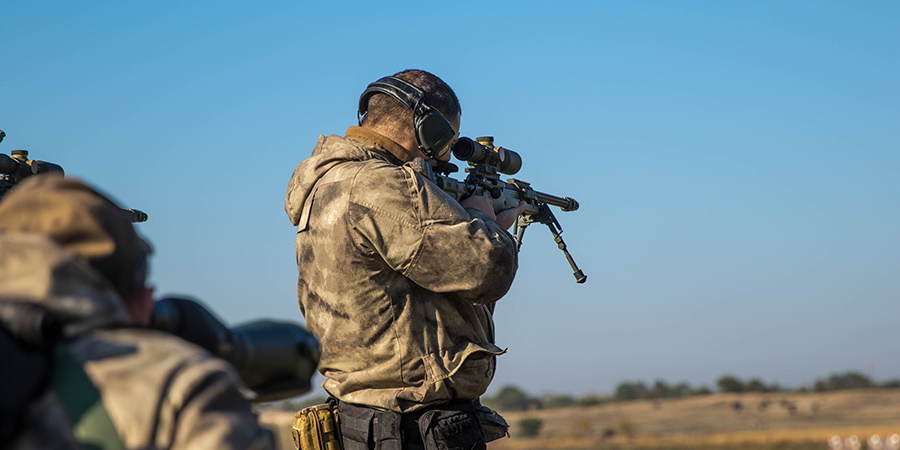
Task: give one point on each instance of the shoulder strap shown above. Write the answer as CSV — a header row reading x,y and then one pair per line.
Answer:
x,y
81,400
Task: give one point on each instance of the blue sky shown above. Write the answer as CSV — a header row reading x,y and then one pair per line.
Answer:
x,y
736,162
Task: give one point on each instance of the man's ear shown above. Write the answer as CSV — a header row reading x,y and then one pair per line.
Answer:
x,y
140,306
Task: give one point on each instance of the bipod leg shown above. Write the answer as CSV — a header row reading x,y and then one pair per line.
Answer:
x,y
522,222
556,229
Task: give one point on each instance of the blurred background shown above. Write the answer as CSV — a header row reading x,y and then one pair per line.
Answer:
x,y
736,162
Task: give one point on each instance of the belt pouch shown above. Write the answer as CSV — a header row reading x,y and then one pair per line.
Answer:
x,y
356,426
317,428
493,424
387,431
364,428
451,430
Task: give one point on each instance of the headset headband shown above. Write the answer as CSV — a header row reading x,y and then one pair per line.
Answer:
x,y
433,132
406,93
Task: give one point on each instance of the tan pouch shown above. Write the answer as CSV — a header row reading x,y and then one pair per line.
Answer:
x,y
317,428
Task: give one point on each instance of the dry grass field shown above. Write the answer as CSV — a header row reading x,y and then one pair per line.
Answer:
x,y
763,421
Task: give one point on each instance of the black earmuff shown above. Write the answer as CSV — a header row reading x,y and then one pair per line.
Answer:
x,y
434,134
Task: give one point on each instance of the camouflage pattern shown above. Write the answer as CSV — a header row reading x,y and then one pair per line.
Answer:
x,y
158,390
396,279
81,220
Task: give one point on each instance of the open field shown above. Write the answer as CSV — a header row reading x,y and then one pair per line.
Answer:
x,y
762,421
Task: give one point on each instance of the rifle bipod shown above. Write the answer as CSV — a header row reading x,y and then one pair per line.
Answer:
x,y
546,217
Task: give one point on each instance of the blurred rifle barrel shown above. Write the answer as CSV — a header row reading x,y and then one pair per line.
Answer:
x,y
136,215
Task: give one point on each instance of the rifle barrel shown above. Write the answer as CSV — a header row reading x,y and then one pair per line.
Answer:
x,y
564,203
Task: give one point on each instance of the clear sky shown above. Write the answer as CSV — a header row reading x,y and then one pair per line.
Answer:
x,y
736,162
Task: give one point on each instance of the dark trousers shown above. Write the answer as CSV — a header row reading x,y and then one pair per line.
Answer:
x,y
452,426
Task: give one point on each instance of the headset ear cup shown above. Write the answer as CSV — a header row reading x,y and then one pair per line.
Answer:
x,y
434,133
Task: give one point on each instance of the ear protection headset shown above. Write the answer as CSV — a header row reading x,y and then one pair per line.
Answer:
x,y
434,134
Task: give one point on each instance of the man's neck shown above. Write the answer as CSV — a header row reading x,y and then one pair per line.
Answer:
x,y
382,142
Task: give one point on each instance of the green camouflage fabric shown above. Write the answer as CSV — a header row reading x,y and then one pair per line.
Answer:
x,y
158,390
396,279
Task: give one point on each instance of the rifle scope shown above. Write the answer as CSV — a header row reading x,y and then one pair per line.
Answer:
x,y
19,164
7,164
482,151
275,360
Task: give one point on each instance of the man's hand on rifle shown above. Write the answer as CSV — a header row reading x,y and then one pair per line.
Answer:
x,y
484,204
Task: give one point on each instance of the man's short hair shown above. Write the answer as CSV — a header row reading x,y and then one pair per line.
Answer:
x,y
386,112
82,221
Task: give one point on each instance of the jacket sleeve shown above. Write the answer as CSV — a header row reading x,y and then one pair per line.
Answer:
x,y
426,235
210,412
163,392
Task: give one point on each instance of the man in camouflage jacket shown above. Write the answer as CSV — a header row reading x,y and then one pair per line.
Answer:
x,y
396,278
71,252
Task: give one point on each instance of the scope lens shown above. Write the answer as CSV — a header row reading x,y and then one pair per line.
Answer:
x,y
510,162
474,152
464,148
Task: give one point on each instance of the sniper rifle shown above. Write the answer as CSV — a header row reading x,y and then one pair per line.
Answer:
x,y
486,163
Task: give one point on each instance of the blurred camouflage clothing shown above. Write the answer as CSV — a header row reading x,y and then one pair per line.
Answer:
x,y
158,390
396,279
81,220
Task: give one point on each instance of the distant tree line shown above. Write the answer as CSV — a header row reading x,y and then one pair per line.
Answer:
x,y
513,398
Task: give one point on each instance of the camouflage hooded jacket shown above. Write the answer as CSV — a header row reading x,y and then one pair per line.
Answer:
x,y
158,390
396,279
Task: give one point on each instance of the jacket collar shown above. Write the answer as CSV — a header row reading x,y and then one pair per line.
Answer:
x,y
379,141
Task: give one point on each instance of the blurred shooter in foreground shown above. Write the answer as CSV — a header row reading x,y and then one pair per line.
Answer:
x,y
74,305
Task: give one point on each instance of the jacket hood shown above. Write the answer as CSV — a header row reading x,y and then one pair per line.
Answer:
x,y
38,271
329,152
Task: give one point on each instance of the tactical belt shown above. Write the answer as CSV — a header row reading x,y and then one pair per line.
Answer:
x,y
364,428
